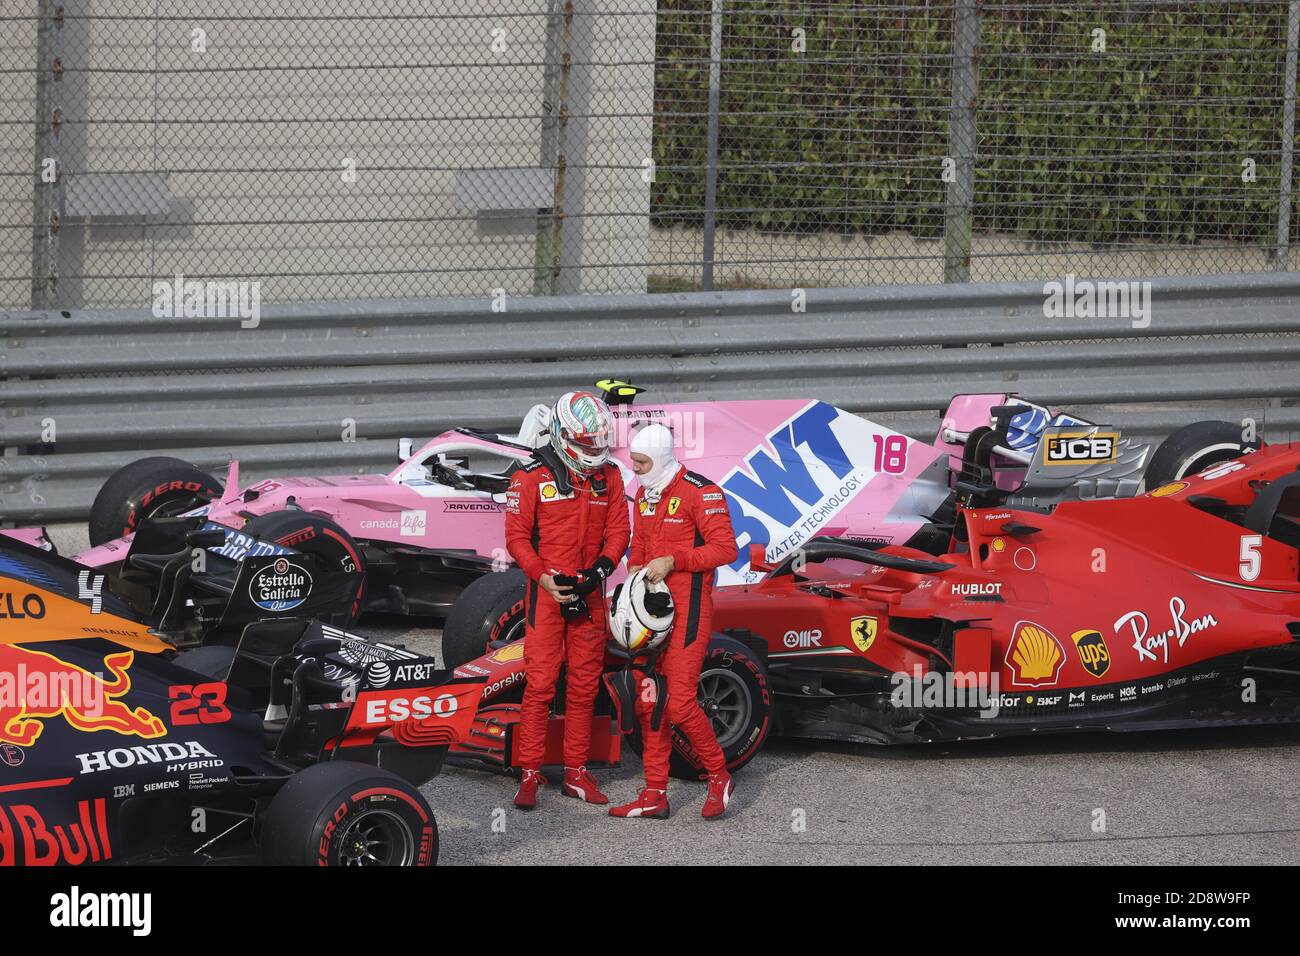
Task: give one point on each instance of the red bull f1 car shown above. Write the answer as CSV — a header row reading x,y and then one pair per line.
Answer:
x,y
271,737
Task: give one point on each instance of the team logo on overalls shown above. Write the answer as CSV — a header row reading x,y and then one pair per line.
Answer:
x,y
673,505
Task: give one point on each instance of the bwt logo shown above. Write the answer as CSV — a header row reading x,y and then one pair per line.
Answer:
x,y
769,485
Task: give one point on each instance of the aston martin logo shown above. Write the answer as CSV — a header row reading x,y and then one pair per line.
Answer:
x,y
1034,655
863,630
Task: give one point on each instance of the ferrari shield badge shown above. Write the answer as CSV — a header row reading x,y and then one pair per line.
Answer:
x,y
863,630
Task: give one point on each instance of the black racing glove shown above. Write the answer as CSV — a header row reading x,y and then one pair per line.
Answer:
x,y
593,577
658,603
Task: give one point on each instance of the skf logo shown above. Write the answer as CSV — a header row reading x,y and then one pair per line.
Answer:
x,y
1094,655
1081,448
812,637
863,630
673,505
1034,656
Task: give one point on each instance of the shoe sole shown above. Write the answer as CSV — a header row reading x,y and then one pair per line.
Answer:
x,y
645,816
595,803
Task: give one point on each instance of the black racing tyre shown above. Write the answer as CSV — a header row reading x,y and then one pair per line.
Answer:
x,y
148,488
342,813
1194,448
735,693
490,609
314,534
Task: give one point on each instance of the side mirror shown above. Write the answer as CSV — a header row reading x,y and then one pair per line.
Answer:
x,y
404,447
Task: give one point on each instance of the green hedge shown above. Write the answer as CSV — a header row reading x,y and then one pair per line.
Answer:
x,y
1143,141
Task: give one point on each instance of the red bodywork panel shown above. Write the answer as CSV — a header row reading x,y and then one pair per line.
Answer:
x,y
1098,591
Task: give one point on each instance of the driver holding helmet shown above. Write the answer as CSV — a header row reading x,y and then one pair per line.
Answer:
x,y
682,533
567,528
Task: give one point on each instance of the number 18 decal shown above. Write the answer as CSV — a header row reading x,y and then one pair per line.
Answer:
x,y
891,454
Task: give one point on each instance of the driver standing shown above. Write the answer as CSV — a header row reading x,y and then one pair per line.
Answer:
x,y
567,527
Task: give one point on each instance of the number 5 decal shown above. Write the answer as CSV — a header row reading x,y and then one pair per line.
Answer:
x,y
1249,566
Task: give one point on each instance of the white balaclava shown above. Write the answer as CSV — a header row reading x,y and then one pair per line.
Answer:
x,y
656,442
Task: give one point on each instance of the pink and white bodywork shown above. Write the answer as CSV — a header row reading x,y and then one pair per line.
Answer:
x,y
791,469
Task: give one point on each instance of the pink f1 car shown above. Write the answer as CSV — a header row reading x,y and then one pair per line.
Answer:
x,y
423,536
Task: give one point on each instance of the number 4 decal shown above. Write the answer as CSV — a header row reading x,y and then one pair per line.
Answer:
x,y
1249,566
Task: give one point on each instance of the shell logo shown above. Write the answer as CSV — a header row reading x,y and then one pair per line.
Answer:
x,y
548,490
1172,488
509,654
1034,656
999,545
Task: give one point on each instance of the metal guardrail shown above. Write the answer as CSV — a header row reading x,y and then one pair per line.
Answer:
x,y
116,385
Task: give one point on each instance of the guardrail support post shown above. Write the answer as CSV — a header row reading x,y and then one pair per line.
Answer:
x,y
711,148
49,176
1282,255
961,141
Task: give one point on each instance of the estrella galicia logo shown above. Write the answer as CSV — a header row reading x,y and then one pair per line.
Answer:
x,y
279,587
1094,655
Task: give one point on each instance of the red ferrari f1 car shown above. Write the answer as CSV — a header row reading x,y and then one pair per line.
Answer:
x,y
1178,608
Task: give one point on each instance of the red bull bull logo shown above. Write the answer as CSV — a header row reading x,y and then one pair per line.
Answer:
x,y
28,839
36,687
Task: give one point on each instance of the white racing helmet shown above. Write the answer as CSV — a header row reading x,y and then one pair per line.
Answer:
x,y
632,626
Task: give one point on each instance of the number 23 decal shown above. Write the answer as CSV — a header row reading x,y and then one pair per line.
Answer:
x,y
198,704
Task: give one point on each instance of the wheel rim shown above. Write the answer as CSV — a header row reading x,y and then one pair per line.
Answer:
x,y
174,508
510,633
377,838
1205,458
726,700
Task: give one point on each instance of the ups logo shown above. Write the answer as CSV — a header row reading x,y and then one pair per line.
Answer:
x,y
1093,652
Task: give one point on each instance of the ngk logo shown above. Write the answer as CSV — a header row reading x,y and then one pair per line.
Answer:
x,y
812,637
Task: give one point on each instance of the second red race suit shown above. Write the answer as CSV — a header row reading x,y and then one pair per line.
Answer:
x,y
690,521
562,524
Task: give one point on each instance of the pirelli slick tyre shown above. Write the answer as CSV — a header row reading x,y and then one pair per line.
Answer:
x,y
314,534
735,693
1194,448
149,488
490,609
342,813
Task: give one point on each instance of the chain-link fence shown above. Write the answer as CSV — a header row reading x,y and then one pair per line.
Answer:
x,y
411,148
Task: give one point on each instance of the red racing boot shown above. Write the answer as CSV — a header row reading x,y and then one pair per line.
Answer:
x,y
526,796
579,783
648,803
720,790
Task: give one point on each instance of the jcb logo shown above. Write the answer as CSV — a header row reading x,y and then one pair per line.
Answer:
x,y
1081,448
